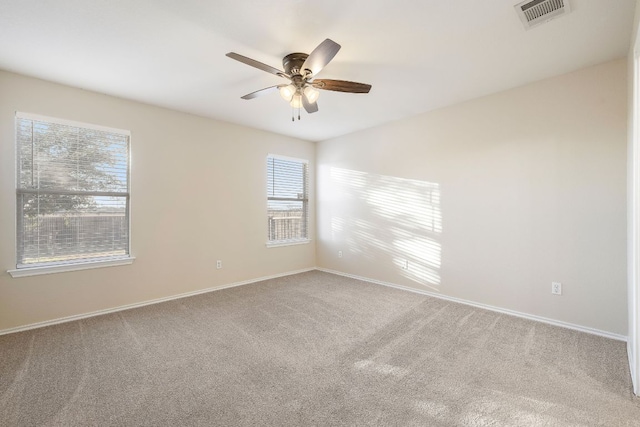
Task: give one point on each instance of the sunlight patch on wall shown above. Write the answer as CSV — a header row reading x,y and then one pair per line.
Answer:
x,y
365,238
428,248
337,226
411,203
388,219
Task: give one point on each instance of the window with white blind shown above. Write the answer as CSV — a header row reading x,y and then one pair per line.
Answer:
x,y
72,193
287,200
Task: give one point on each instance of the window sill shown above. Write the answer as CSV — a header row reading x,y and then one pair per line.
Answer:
x,y
287,243
36,271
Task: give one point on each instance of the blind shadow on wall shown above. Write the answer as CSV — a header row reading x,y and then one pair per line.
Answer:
x,y
388,219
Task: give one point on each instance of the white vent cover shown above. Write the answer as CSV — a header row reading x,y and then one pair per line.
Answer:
x,y
535,12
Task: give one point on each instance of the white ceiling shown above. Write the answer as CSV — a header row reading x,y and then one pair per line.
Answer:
x,y
417,54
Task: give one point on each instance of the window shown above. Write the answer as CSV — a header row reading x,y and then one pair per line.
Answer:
x,y
287,200
72,193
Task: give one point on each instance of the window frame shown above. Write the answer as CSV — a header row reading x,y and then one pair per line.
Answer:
x,y
305,202
68,265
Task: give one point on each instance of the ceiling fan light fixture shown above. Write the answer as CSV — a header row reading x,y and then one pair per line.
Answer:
x,y
311,93
287,92
296,101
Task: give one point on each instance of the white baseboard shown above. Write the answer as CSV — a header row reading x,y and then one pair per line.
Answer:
x,y
339,273
143,303
485,306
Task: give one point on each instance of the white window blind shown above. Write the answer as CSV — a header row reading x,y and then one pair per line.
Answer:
x,y
72,192
287,199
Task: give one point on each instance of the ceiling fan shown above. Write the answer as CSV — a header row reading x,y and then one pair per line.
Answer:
x,y
300,69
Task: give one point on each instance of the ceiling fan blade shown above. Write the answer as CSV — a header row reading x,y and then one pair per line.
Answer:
x,y
341,86
261,92
310,107
321,56
256,64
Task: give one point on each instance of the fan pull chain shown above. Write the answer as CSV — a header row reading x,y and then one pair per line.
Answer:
x,y
293,113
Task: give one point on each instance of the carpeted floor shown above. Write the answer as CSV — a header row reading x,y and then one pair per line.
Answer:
x,y
312,349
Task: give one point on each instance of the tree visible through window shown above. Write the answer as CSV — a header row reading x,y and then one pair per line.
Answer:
x,y
287,199
72,192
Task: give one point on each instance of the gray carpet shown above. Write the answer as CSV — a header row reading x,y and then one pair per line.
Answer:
x,y
312,349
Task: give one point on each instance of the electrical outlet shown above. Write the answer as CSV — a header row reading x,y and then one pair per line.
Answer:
x,y
218,264
405,266
339,254
556,288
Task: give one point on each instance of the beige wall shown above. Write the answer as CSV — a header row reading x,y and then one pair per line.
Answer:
x,y
488,201
491,200
198,195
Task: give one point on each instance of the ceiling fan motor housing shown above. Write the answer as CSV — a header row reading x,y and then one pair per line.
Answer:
x,y
292,63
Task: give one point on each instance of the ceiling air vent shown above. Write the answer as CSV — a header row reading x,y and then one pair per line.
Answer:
x,y
535,12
